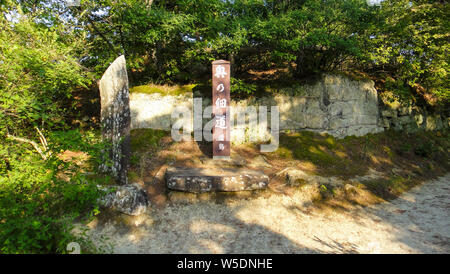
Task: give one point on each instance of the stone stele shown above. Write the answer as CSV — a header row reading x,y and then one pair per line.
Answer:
x,y
199,180
115,118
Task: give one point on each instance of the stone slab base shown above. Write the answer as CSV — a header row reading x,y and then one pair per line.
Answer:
x,y
199,180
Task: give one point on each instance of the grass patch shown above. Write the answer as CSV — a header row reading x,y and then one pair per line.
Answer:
x,y
390,188
163,89
421,152
364,193
323,151
145,142
144,139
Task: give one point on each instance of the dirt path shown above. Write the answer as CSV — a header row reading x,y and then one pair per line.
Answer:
x,y
417,222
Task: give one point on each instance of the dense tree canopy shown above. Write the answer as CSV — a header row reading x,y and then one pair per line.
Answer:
x,y
174,40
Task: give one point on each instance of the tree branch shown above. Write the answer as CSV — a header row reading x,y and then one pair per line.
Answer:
x,y
23,140
42,139
100,33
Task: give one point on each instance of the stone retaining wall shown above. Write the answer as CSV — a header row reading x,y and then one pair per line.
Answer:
x,y
336,105
411,118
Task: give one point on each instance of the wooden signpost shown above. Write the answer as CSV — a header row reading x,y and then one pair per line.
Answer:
x,y
221,109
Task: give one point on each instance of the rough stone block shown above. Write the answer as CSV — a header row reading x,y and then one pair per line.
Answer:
x,y
129,199
385,122
199,180
390,113
315,121
431,123
418,119
405,110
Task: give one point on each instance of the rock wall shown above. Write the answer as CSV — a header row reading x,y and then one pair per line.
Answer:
x,y
411,117
335,104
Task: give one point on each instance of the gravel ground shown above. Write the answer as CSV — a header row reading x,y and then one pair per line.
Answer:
x,y
416,222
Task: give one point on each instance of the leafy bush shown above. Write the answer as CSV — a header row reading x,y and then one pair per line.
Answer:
x,y
425,149
240,87
41,194
39,200
404,148
38,75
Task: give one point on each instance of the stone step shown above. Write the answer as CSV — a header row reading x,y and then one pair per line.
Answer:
x,y
199,180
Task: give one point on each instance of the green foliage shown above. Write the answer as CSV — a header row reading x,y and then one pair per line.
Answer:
x,y
425,149
354,155
238,86
174,41
399,90
320,150
410,43
143,139
404,148
39,200
149,37
38,74
40,193
316,35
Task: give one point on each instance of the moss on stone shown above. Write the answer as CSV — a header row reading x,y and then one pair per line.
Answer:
x,y
163,90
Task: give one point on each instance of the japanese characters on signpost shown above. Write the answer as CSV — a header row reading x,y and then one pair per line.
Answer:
x,y
221,109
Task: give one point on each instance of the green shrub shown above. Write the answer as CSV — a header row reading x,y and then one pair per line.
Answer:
x,y
143,139
404,148
39,200
40,193
425,149
240,87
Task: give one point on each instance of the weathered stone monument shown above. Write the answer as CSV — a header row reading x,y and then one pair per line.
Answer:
x,y
115,119
127,198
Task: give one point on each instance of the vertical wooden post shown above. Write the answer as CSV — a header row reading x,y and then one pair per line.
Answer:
x,y
221,108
